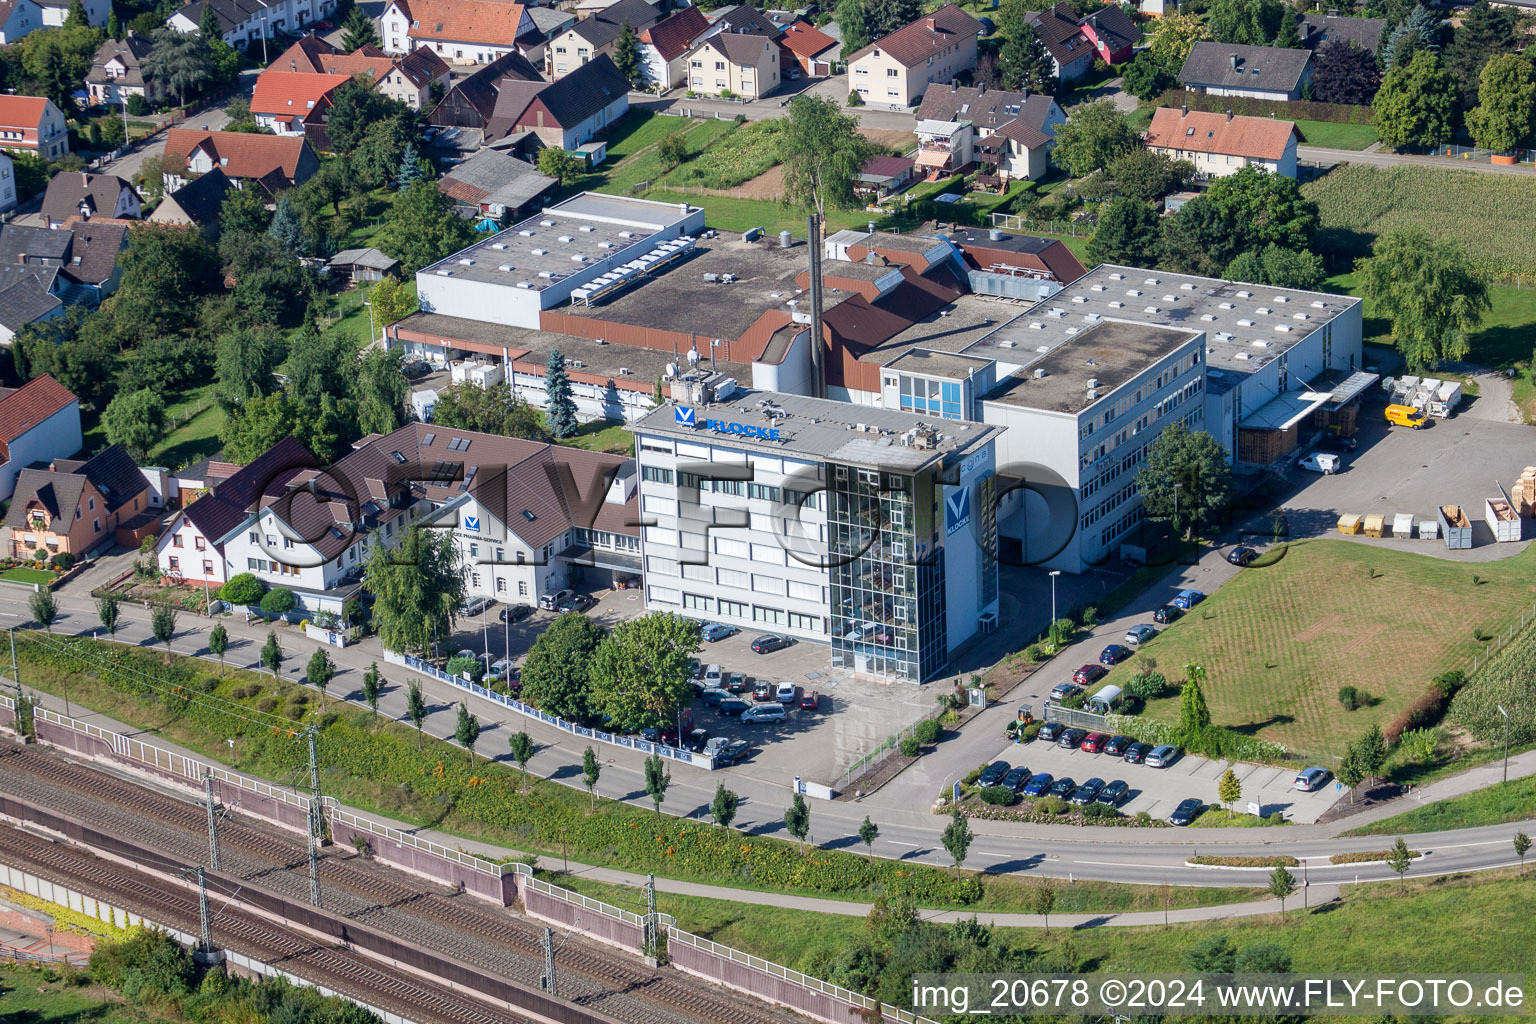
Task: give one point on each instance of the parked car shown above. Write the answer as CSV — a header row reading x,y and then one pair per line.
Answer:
x,y
1070,738
1187,599
416,368
1163,756
515,613
714,695
1061,691
1088,674
736,682
764,713
713,676
1094,742
1015,779
785,693
993,773
1114,654
696,740
1116,745
549,602
1335,443
1241,555
1062,787
576,603
466,653
1140,634
1136,753
770,642
1310,780
1038,785
695,668
714,631
1186,812
732,707
725,751
502,668
1088,792
808,700
475,605
1050,731
1114,794
1167,613
763,691
1321,462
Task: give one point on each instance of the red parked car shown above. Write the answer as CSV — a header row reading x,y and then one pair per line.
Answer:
x,y
1088,674
1094,742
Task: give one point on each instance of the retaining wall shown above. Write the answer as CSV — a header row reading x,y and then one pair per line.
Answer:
x,y
628,935
425,859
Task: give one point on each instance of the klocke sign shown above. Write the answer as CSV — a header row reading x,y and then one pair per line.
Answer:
x,y
684,416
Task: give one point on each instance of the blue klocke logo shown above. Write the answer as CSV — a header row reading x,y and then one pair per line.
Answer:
x,y
683,416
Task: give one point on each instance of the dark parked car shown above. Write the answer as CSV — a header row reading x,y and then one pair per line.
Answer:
x,y
1114,794
696,740
1167,613
1016,779
1114,654
1334,443
1061,691
728,751
993,773
763,691
770,642
1136,753
516,613
1088,674
1088,792
1071,738
1050,731
1242,555
575,603
1038,785
1062,787
1116,745
714,695
1186,812
732,707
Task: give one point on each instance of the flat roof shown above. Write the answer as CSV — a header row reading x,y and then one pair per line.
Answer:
x,y
937,364
1285,410
589,225
1009,241
678,298
1110,352
1246,325
954,328
822,430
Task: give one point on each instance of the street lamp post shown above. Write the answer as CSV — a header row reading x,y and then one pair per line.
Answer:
x,y
1054,574
1506,741
373,334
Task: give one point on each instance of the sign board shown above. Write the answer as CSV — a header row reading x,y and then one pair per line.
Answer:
x,y
957,510
685,416
978,697
1256,810
954,793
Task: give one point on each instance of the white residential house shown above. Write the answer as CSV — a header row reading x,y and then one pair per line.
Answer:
x,y
461,32
729,64
896,70
243,23
7,184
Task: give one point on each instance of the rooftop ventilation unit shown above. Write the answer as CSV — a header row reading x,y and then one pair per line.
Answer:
x,y
1134,293
588,227
1092,318
1117,276
1241,355
1259,343
525,284
466,262
1056,313
1300,316
1150,280
1036,325
605,245
578,258
1227,305
1149,309
1245,294
1039,373
1072,330
567,238
625,371
498,245
1170,298
1116,304
1283,328
1208,317
1319,304
1079,298
1264,311
526,233
547,223
1091,383
1245,323
1223,336
1007,343
541,252
1282,298
505,268
444,272
1042,349
1188,286
1097,287
626,234
577,363
546,274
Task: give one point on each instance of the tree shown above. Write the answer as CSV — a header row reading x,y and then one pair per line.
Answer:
x,y
106,611
1092,137
1281,884
380,392
493,410
868,833
1344,72
1278,266
1194,713
1430,290
1248,22
1127,234
379,153
114,27
657,779
626,53
244,589
415,708
1145,78
1505,117
1025,63
520,745
356,106
208,25
45,610
1176,35
639,673
1485,32
1400,860
886,16
957,837
558,164
55,62
244,362
243,212
723,807
413,167
258,424
416,587
286,228
135,420
1522,847
591,771
1270,205
1229,789
822,153
854,23
672,150
163,265
421,228
1195,462
392,300
1042,900
560,408
218,643
272,653
373,686
1370,752
467,731
555,673
1418,33
278,601
797,818
319,672
1416,104
178,62
1288,37
360,31
162,623
1202,239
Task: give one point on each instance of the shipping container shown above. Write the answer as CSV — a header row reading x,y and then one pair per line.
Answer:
x,y
1455,527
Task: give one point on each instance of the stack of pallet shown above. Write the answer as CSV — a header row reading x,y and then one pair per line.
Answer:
x,y
1523,494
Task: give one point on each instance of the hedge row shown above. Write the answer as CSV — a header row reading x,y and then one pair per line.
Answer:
x,y
1368,857
1302,110
1246,862
1212,741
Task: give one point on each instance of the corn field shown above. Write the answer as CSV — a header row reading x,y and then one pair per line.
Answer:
x,y
1493,215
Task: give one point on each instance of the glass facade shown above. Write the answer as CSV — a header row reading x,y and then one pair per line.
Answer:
x,y
931,397
887,581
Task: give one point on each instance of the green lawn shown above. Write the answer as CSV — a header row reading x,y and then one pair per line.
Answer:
x,y
22,574
622,176
33,996
602,436
195,424
1220,817
1510,801
1141,118
1278,642
1332,135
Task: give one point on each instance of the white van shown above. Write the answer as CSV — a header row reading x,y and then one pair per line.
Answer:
x,y
712,677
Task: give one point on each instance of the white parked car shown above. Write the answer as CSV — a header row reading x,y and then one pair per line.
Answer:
x,y
1320,462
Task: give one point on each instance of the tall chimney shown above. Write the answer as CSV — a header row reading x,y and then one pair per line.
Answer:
x,y
932,25
818,373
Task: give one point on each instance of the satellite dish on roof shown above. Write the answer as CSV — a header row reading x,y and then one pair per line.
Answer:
x,y
693,356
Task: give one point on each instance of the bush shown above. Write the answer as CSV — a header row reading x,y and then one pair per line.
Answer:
x,y
909,746
40,555
146,965
1051,805
1143,818
278,601
63,561
972,775
1420,745
138,106
1061,632
1030,731
854,99
1090,617
243,589
1349,696
1101,811
459,664
999,795
1146,685
927,731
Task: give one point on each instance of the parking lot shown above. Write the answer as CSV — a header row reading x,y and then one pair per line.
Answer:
x,y
1159,790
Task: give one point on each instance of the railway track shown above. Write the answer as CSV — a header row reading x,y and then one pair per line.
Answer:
x,y
339,969
433,917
